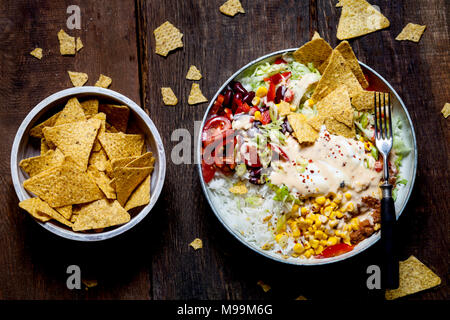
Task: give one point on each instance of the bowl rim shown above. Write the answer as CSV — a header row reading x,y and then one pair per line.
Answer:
x,y
365,244
105,93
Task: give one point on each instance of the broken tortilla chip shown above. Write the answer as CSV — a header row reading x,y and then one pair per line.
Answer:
x,y
446,110
193,73
127,179
145,160
358,17
412,32
78,79
67,44
315,51
167,38
284,108
72,112
238,188
120,145
315,36
140,196
31,205
414,277
34,165
196,96
231,8
90,107
338,128
347,53
196,244
102,181
79,44
100,214
302,130
264,286
169,98
37,53
337,105
103,81
36,131
65,211
116,115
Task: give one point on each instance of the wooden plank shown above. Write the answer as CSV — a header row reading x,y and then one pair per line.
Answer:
x,y
33,261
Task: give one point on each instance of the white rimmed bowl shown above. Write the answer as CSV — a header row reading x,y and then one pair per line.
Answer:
x,y
25,147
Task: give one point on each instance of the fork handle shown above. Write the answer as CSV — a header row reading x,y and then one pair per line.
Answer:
x,y
389,271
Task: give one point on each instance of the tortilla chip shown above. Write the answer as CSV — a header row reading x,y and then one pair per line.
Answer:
x,y
65,211
193,73
239,188
100,214
127,179
337,105
316,122
140,196
302,130
116,115
264,286
63,185
232,8
44,146
31,205
146,160
315,51
120,145
34,165
102,117
98,159
74,217
90,107
315,36
78,78
414,277
103,81
102,181
196,244
72,112
364,100
169,98
36,131
347,53
358,18
167,38
446,110
79,44
89,283
340,129
121,162
67,44
284,108
412,32
336,73
339,4
75,139
37,53
196,96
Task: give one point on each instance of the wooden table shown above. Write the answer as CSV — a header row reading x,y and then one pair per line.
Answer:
x,y
154,261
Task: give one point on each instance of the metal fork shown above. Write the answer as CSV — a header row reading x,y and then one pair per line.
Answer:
x,y
383,140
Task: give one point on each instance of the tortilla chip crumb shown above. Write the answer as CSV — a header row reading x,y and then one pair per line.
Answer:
x,y
196,96
78,78
79,44
37,53
238,188
414,277
264,286
232,8
103,81
167,38
446,110
412,32
196,244
89,283
67,45
169,98
193,73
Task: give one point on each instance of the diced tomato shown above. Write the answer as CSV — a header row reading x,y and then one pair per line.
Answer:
x,y
214,128
243,108
265,117
228,113
271,93
208,171
286,75
276,78
220,99
378,165
335,250
279,61
289,95
217,105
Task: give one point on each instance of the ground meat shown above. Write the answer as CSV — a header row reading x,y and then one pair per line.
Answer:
x,y
375,205
365,230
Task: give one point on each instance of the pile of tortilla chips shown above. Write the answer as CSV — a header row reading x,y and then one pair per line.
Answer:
x,y
337,95
91,170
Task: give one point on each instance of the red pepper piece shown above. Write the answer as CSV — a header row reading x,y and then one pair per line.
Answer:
x,y
335,250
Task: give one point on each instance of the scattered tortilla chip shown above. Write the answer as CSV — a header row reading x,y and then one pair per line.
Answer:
x,y
63,185
412,32
414,277
98,159
169,98
193,73
127,179
302,130
347,53
78,78
116,115
34,165
358,17
337,105
239,188
446,110
316,122
140,196
338,128
67,44
284,108
196,96
315,51
72,112
264,286
315,36
302,297
167,38
44,146
120,145
90,107
102,181
103,81
364,100
65,211
100,214
196,244
79,44
36,131
37,53
336,73
231,8
74,139
89,283
31,205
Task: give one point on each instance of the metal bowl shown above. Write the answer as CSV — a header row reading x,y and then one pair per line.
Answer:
x,y
23,147
408,169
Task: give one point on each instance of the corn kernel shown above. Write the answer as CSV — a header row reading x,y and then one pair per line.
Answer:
x,y
304,210
308,222
314,243
319,249
296,233
348,195
309,253
328,210
361,139
319,234
376,227
368,145
323,242
293,107
256,101
261,92
299,248
282,239
332,241
310,102
315,207
307,246
327,203
320,200
339,214
333,205
257,115
295,208
350,207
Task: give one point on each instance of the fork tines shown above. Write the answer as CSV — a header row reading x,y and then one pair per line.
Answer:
x,y
382,131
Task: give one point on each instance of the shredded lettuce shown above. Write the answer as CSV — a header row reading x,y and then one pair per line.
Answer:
x,y
298,69
254,78
253,201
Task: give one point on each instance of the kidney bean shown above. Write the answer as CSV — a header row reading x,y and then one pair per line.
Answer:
x,y
228,98
239,88
280,94
248,98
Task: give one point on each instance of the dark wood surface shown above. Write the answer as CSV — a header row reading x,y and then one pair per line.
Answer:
x,y
154,261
